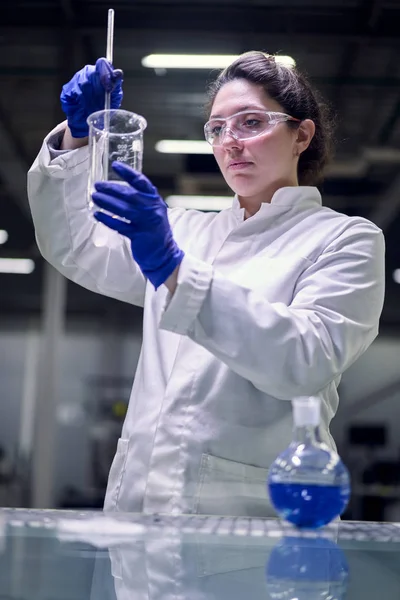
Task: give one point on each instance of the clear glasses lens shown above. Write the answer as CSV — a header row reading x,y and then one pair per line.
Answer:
x,y
242,126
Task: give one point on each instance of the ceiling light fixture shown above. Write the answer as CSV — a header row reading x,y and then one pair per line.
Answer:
x,y
18,266
3,236
199,61
396,275
183,147
214,203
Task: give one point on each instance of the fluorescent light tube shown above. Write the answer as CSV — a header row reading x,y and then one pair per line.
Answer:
x,y
214,203
183,147
199,61
19,266
4,235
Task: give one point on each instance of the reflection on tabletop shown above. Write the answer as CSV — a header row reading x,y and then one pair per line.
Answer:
x,y
76,555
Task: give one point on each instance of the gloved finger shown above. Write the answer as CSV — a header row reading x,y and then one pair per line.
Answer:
x,y
112,204
106,74
134,178
117,75
115,224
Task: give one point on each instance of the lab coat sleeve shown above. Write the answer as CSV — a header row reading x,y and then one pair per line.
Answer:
x,y
82,249
294,350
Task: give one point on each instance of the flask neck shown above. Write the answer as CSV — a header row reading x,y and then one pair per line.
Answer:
x,y
306,434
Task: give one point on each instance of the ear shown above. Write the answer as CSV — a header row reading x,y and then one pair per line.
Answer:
x,y
305,133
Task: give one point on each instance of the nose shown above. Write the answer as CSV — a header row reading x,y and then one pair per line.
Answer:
x,y
229,138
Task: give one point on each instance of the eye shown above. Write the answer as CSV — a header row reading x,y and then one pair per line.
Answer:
x,y
216,129
252,122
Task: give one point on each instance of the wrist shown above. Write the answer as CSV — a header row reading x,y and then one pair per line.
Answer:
x,y
71,143
172,282
167,274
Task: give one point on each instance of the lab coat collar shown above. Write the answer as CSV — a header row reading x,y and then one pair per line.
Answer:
x,y
284,198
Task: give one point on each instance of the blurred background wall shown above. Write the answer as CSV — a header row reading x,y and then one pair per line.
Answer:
x,y
68,356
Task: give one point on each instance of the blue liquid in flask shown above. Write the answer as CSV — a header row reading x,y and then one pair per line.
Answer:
x,y
309,505
308,484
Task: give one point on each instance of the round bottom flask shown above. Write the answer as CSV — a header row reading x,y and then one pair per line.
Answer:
x,y
308,483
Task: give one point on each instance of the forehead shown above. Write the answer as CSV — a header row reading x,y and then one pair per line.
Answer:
x,y
239,95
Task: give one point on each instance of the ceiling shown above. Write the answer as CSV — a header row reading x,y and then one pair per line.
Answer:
x,y
349,49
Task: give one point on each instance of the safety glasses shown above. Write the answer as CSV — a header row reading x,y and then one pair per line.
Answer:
x,y
243,125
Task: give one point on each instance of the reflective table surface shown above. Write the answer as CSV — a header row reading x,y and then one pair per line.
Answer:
x,y
80,555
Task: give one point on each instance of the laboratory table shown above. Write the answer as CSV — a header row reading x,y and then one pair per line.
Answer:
x,y
71,555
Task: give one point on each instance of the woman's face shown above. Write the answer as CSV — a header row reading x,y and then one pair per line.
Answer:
x,y
255,168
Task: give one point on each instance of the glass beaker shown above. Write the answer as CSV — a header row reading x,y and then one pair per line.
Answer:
x,y
114,135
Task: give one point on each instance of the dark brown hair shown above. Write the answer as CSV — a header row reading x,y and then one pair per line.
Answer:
x,y
294,93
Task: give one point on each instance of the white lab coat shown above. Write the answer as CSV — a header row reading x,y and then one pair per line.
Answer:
x,y
266,309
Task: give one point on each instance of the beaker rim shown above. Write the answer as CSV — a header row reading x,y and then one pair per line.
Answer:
x,y
142,122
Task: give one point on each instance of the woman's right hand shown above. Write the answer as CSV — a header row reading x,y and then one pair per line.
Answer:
x,y
84,94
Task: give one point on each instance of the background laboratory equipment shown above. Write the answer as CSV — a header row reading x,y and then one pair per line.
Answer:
x,y
308,483
114,135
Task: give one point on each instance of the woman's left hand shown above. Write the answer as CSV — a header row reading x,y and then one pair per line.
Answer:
x,y
148,229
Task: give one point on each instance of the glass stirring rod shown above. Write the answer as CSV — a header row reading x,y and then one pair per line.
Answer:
x,y
109,51
107,101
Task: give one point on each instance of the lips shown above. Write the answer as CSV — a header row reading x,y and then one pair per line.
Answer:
x,y
238,164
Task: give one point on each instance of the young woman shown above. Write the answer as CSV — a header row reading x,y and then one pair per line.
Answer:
x,y
244,309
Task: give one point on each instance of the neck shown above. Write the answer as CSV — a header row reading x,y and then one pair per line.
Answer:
x,y
252,204
307,434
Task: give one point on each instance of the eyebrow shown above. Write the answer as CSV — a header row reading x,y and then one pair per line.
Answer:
x,y
242,108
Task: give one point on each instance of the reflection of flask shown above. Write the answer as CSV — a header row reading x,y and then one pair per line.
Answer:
x,y
308,483
307,569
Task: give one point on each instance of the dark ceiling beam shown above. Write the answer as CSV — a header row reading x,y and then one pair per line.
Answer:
x,y
76,44
14,163
387,128
68,10
388,206
369,13
182,38
74,51
375,133
14,159
200,16
181,75
349,57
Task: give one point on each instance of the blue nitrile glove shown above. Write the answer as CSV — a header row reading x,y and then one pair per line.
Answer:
x,y
153,246
85,94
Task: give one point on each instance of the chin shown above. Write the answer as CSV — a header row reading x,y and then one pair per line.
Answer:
x,y
252,189
245,191
245,186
